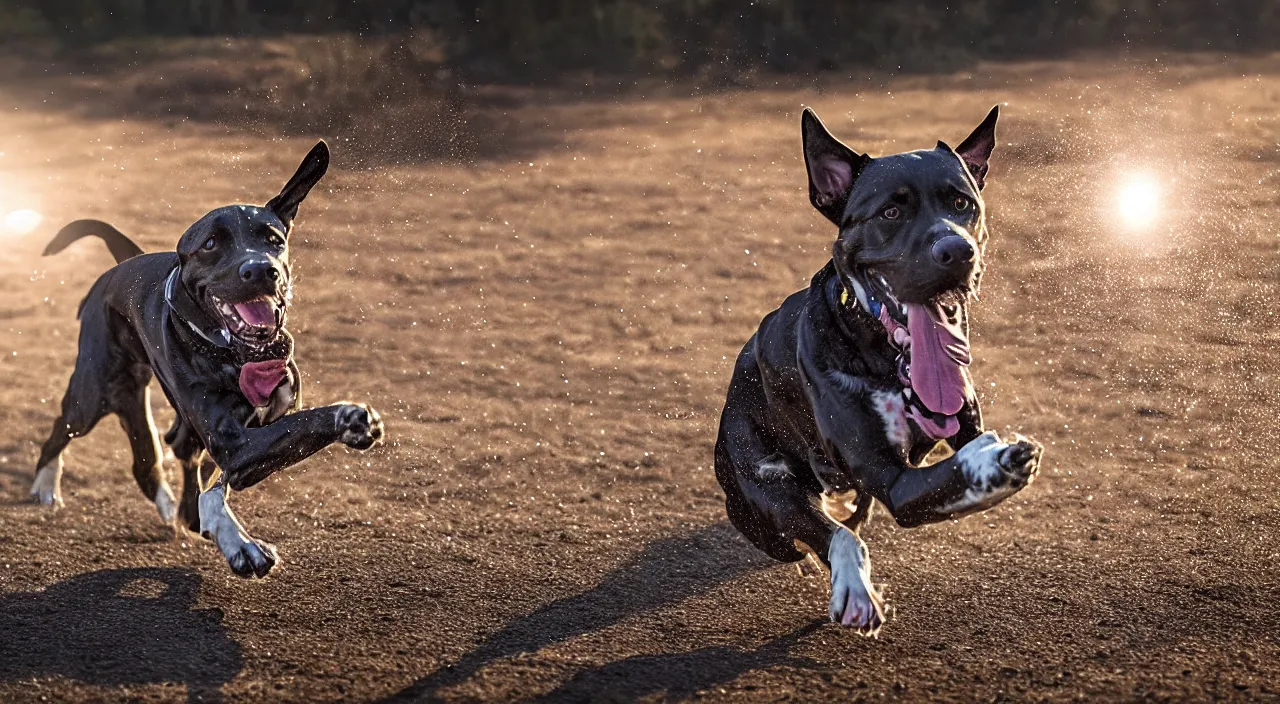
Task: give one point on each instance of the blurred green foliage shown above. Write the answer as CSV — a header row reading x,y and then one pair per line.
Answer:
x,y
524,39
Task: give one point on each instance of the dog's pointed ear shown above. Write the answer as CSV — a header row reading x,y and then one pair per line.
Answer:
x,y
309,173
976,149
832,167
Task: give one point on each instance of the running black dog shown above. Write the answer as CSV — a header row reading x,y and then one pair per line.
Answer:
x,y
843,391
208,321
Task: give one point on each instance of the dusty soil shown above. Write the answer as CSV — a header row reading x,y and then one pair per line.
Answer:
x,y
548,330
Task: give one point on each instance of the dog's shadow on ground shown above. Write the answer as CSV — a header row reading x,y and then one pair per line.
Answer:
x,y
117,628
665,572
679,675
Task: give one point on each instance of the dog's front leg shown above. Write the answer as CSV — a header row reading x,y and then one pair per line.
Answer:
x,y
246,456
980,475
247,556
249,455
855,601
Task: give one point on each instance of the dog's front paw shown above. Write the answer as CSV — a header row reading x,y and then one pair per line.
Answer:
x,y
1021,461
253,558
246,556
855,603
360,425
994,470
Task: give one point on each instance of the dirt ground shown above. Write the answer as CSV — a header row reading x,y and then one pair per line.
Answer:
x,y
548,330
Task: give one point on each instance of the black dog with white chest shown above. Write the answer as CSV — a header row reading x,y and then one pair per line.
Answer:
x,y
207,321
843,391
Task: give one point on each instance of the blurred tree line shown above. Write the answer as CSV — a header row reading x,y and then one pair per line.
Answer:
x,y
525,39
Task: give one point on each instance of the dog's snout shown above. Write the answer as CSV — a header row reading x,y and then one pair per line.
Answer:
x,y
953,250
258,271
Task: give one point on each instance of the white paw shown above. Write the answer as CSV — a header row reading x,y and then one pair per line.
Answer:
x,y
994,471
166,505
47,488
246,556
854,601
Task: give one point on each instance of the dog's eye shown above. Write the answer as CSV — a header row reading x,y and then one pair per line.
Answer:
x,y
209,244
962,204
892,212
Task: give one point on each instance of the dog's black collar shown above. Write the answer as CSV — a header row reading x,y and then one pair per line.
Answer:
x,y
863,304
850,314
180,302
861,299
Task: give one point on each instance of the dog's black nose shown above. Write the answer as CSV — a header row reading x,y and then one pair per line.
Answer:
x,y
257,271
953,250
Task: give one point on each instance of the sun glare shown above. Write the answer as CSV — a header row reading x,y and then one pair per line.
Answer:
x,y
22,221
1139,201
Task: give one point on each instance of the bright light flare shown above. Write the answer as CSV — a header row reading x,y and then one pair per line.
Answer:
x,y
22,221
1138,200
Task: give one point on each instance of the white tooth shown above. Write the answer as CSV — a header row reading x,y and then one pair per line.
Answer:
x,y
907,392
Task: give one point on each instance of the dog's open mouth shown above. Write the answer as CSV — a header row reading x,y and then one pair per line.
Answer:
x,y
255,322
935,351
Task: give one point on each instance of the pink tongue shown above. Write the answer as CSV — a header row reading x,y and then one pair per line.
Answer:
x,y
257,313
948,427
939,350
258,380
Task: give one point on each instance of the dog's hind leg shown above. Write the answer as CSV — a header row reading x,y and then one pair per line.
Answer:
x,y
787,516
86,400
189,452
786,519
47,487
133,406
83,405
80,413
195,472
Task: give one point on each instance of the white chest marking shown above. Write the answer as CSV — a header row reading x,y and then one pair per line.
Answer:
x,y
892,409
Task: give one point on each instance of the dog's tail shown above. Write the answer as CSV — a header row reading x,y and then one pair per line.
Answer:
x,y
121,246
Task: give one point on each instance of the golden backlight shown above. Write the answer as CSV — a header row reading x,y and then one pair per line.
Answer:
x,y
1138,201
22,221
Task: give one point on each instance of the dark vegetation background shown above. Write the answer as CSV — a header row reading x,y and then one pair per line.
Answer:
x,y
529,41
384,73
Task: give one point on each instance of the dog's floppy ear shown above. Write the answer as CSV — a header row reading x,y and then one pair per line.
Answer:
x,y
976,149
832,167
312,169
